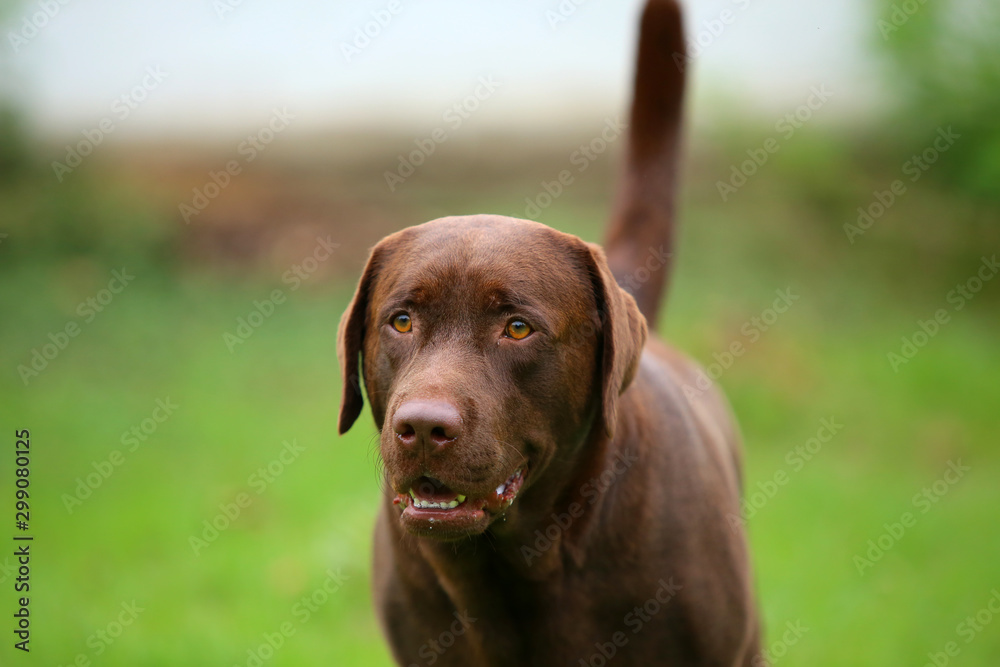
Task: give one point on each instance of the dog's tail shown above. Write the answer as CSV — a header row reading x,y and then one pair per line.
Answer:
x,y
639,241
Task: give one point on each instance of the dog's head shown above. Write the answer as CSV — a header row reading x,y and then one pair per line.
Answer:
x,y
491,348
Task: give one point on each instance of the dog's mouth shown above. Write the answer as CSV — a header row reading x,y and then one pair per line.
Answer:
x,y
433,509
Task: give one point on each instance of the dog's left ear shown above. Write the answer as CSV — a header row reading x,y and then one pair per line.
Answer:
x,y
623,329
350,342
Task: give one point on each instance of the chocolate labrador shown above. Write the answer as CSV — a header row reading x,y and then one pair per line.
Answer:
x,y
553,495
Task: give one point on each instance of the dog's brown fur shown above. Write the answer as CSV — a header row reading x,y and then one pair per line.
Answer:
x,y
619,540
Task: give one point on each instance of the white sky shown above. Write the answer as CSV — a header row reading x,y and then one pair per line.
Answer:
x,y
226,74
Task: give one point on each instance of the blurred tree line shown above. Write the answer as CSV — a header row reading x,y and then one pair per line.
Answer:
x,y
940,67
942,62
84,216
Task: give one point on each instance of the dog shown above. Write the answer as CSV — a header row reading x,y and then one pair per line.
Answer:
x,y
553,495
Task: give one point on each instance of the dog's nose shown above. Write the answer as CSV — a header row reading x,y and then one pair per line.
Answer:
x,y
426,425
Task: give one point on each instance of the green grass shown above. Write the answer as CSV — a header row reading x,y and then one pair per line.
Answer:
x,y
826,357
130,539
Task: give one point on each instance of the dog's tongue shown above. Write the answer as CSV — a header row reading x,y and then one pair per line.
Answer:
x,y
430,489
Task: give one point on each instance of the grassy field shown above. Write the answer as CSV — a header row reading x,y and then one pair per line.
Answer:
x,y
840,445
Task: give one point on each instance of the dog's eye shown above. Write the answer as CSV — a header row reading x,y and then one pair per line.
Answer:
x,y
402,323
517,329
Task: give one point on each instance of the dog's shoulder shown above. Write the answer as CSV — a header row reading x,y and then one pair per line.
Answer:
x,y
682,409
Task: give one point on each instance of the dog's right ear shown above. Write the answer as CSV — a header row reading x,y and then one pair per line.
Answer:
x,y
350,341
623,329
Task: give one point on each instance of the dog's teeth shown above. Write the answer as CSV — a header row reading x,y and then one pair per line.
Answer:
x,y
430,505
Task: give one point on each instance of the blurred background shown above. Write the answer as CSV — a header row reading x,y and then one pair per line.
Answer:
x,y
187,195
